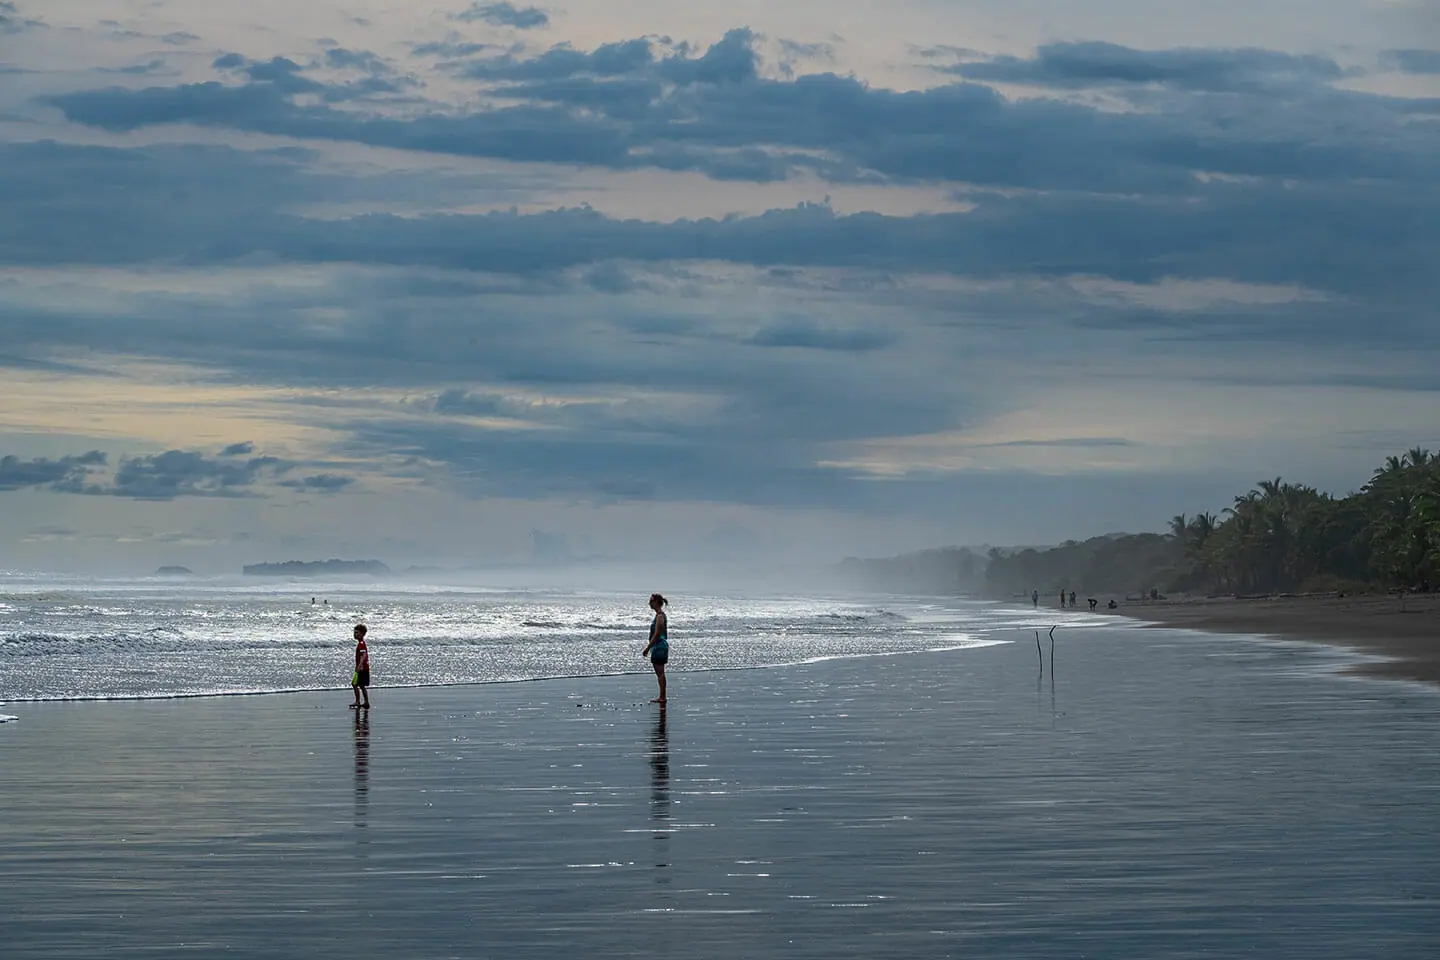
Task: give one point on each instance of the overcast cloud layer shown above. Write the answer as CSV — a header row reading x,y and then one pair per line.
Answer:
x,y
450,287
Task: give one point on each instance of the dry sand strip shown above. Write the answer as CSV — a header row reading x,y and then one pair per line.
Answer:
x,y
1405,630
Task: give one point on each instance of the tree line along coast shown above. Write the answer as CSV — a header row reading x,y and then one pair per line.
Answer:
x,y
1279,537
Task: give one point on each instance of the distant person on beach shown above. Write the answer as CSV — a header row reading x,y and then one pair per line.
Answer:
x,y
1093,602
360,682
1062,599
1072,599
658,649
1111,604
1035,598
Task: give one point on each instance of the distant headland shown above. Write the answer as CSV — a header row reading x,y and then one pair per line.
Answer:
x,y
174,572
317,568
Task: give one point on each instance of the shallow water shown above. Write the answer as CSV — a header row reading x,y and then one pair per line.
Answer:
x,y
1164,795
83,639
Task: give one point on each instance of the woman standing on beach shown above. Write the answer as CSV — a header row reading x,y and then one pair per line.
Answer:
x,y
658,649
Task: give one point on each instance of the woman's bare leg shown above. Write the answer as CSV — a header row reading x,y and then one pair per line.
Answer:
x,y
660,676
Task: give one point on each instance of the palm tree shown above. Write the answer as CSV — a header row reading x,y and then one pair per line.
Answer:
x,y
1202,527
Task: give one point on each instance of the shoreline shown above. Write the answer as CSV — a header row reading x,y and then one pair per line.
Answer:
x,y
1405,631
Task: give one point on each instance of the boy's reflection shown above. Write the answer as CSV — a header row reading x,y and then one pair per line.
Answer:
x,y
660,789
362,766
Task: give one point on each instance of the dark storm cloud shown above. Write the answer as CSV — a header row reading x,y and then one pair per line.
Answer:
x,y
1093,64
505,15
66,473
242,449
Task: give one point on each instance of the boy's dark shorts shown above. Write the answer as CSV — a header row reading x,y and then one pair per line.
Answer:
x,y
363,678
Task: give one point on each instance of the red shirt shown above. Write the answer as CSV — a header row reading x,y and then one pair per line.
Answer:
x,y
362,656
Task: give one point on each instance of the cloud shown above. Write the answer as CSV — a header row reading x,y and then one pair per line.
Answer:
x,y
466,403
809,51
454,47
1093,64
636,104
282,79
342,58
611,278
185,473
1374,239
729,355
563,61
137,69
808,335
505,15
1413,61
66,473
1065,442
163,476
320,483
12,21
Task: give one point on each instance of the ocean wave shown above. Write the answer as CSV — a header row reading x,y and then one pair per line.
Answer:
x,y
211,642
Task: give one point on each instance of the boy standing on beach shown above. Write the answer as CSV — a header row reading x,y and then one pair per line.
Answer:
x,y
360,682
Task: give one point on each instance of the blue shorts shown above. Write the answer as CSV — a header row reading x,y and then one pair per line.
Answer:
x,y
660,653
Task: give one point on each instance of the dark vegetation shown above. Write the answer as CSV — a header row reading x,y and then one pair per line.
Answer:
x,y
317,568
1278,537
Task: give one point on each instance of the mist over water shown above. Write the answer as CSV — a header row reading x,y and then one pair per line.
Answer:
x,y
91,639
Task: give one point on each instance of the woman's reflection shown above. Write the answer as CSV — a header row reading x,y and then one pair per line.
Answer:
x,y
362,766
660,789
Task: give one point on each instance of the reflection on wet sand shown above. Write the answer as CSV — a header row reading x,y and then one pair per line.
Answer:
x,y
660,792
362,768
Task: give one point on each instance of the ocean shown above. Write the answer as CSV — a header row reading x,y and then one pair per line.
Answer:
x,y
121,639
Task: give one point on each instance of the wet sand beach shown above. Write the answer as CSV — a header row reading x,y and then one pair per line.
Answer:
x,y
1147,795
1403,630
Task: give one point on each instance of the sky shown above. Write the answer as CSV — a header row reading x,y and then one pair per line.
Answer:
x,y
471,284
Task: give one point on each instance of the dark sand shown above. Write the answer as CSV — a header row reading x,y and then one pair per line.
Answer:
x,y
1403,630
1144,797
